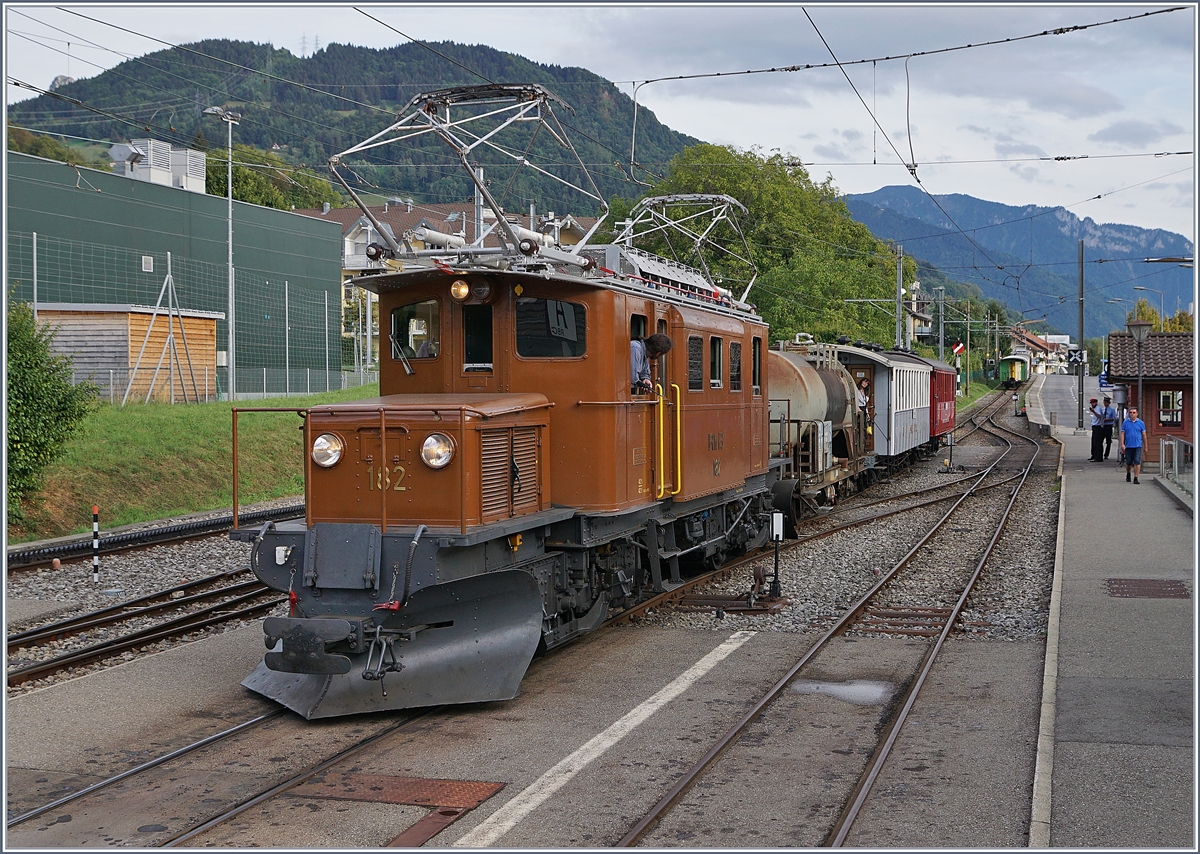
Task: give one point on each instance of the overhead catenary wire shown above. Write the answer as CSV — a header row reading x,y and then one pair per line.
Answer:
x,y
809,66
304,86
839,64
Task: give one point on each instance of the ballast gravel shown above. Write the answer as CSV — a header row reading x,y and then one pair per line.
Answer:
x,y
124,576
821,579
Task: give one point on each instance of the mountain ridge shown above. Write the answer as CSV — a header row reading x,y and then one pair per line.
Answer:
x,y
1037,249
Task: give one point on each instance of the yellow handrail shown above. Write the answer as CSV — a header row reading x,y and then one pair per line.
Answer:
x,y
660,464
678,440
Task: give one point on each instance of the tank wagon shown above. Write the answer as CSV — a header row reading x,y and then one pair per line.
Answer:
x,y
511,484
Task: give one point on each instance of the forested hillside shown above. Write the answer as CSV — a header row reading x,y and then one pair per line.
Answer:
x,y
317,106
296,112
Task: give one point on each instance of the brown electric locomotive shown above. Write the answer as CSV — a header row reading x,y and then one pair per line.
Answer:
x,y
514,483
511,484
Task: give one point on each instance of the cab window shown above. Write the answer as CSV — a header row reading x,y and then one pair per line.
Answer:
x,y
477,338
416,330
548,328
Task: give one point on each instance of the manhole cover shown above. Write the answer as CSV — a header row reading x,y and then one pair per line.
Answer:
x,y
377,788
1146,588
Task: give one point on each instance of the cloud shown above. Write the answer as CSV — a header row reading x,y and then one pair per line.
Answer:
x,y
852,135
1009,149
1132,133
1029,174
832,152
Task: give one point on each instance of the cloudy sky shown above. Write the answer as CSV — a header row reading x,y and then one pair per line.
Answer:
x,y
987,121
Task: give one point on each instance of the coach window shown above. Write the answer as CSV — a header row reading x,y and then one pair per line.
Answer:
x,y
715,362
637,327
735,365
756,366
550,328
477,338
416,331
695,356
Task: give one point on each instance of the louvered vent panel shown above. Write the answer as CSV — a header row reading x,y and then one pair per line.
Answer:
x,y
525,454
495,474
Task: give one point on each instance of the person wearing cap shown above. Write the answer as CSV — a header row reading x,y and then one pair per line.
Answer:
x,y
1109,417
1097,432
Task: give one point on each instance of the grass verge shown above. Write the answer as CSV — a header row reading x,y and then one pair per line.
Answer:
x,y
151,461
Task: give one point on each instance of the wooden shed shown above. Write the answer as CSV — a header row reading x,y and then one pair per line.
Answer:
x,y
105,341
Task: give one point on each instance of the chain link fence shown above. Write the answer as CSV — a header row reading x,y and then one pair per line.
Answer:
x,y
288,336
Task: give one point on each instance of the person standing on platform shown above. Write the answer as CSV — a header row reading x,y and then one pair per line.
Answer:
x,y
1133,433
1109,416
1097,432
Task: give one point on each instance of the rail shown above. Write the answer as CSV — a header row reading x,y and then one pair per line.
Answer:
x,y
1177,458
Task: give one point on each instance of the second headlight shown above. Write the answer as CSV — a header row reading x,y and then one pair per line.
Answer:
x,y
437,450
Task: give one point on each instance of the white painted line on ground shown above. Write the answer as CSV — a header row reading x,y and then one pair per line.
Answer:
x,y
506,818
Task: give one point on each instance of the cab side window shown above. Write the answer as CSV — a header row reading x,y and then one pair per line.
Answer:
x,y
695,360
416,330
715,367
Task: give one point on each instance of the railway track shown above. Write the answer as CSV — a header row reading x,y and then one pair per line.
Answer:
x,y
944,619
196,605
867,616
78,548
699,582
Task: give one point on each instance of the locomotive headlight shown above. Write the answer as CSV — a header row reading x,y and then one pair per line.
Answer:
x,y
437,450
327,449
460,290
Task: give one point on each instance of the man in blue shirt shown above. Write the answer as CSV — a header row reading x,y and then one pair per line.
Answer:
x,y
1133,434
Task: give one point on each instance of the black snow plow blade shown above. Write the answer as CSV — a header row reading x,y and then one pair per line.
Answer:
x,y
471,641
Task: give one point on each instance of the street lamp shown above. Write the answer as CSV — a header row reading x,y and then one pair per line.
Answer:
x,y
230,119
1140,330
1162,317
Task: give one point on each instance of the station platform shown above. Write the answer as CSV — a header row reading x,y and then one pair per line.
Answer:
x,y
1116,758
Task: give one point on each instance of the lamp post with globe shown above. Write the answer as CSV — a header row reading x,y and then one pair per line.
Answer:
x,y
1140,330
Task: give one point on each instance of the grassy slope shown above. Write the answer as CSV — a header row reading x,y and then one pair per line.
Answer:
x,y
152,461
155,461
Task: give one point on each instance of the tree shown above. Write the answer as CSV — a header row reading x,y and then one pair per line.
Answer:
x,y
1181,321
44,408
41,145
266,179
1142,310
811,256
